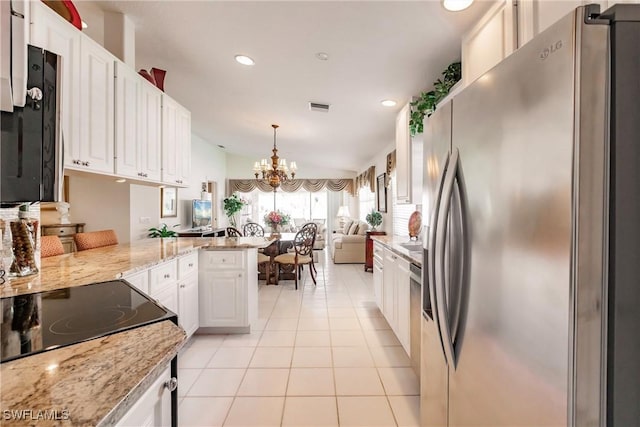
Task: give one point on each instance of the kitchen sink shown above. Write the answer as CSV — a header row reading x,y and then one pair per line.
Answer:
x,y
412,246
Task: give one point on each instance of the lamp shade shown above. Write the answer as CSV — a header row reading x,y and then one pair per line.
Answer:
x,y
343,211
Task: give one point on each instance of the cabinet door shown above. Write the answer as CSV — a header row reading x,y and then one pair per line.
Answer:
x,y
139,280
127,121
490,41
169,128
49,31
403,308
150,131
97,107
168,297
188,303
183,145
222,298
377,282
389,288
403,156
153,408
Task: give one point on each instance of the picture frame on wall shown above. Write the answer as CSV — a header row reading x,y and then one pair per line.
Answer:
x,y
168,202
381,192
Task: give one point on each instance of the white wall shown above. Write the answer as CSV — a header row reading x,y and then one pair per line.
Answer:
x,y
93,15
101,203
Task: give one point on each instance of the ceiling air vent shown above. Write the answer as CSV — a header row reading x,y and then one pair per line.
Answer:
x,y
315,106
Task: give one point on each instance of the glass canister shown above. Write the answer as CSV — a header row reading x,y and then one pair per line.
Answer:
x,y
23,240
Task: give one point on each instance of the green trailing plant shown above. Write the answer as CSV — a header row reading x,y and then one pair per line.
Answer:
x,y
374,218
425,105
162,231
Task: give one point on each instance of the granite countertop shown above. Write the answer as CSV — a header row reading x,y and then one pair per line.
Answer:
x,y
108,263
393,243
95,382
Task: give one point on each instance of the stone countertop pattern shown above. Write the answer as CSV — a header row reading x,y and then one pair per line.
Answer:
x,y
108,263
393,243
96,381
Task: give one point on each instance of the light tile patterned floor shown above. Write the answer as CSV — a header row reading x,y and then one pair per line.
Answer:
x,y
318,356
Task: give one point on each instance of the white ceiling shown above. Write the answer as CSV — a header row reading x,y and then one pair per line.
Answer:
x,y
377,50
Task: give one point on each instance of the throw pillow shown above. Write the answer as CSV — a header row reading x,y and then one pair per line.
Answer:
x,y
362,228
354,228
347,225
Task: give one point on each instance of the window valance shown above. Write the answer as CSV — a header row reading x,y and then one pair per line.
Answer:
x,y
367,179
290,186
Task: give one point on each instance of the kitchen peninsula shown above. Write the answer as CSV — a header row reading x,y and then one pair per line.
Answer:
x,y
123,367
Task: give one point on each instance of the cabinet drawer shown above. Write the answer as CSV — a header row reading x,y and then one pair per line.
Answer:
x,y
153,407
59,231
223,260
187,264
162,276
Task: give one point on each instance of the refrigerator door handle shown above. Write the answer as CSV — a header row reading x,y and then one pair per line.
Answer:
x,y
439,264
433,257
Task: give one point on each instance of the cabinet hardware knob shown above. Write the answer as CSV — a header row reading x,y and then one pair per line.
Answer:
x,y
172,384
190,264
239,274
182,286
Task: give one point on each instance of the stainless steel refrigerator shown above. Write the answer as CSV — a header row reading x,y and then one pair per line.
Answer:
x,y
531,298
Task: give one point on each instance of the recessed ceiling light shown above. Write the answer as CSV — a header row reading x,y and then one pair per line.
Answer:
x,y
221,146
244,60
456,5
121,180
84,25
388,103
322,56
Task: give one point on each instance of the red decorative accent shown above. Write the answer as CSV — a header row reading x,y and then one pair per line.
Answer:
x,y
67,10
144,73
159,75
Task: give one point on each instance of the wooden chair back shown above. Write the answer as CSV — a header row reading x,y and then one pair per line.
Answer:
x,y
252,229
233,232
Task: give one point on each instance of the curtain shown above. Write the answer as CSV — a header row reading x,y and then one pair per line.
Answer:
x,y
391,166
367,178
293,185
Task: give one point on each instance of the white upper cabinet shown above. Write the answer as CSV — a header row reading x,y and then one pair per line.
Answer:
x,y
96,109
403,156
49,31
490,41
138,125
176,143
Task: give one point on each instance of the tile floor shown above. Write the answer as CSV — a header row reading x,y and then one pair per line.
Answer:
x,y
320,356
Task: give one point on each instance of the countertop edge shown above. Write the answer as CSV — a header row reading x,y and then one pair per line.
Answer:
x,y
393,244
122,407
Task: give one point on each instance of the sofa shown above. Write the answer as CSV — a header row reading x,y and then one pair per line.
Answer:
x,y
348,243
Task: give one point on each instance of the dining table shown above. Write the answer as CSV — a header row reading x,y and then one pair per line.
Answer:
x,y
272,273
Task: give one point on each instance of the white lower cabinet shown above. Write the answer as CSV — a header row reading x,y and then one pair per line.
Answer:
x,y
154,406
140,281
378,272
228,289
168,297
188,304
396,287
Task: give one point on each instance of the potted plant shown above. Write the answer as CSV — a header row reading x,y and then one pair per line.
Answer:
x,y
275,219
162,231
232,205
374,219
425,105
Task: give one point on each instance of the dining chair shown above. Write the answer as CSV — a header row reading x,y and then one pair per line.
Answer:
x,y
314,229
252,229
95,239
50,246
233,232
303,247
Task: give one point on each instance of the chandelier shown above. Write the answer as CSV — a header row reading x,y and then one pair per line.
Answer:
x,y
277,172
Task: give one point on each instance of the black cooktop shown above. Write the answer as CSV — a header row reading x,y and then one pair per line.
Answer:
x,y
44,321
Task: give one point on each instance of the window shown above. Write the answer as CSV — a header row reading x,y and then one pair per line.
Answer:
x,y
367,202
301,204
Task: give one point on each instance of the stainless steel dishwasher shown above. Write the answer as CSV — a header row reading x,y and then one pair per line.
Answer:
x,y
415,310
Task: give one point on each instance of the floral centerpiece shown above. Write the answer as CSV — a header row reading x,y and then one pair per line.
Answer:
x,y
233,205
275,219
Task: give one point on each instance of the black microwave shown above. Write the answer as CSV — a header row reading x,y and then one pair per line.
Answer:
x,y
30,162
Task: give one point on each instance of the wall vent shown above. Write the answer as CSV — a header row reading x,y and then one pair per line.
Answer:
x,y
316,106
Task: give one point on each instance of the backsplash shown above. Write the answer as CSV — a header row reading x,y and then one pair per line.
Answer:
x,y
11,214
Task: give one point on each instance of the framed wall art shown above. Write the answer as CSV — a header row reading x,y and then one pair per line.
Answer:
x,y
381,192
168,202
